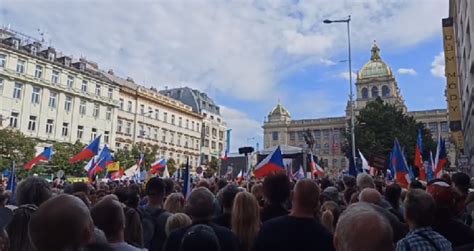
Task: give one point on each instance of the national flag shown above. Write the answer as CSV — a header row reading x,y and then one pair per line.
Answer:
x,y
365,163
113,167
272,163
299,174
429,168
187,180
11,185
43,156
411,173
240,176
400,166
419,157
441,158
352,167
130,172
88,152
225,157
315,168
166,173
140,161
157,165
105,159
91,163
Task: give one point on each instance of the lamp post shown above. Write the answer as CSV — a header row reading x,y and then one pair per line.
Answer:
x,y
348,21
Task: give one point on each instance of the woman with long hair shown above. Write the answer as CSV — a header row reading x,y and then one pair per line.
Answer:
x,y
174,203
245,219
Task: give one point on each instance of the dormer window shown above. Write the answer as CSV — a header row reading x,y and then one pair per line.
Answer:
x,y
67,61
34,50
82,66
16,44
51,56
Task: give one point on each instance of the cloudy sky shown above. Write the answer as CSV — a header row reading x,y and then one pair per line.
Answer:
x,y
248,54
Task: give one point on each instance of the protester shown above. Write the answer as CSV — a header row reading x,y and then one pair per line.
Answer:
x,y
61,223
200,206
200,238
30,194
174,203
109,217
245,219
364,180
299,230
330,194
361,228
276,190
6,216
257,191
153,215
393,193
330,215
419,214
176,221
226,200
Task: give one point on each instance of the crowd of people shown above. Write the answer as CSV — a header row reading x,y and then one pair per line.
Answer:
x,y
360,213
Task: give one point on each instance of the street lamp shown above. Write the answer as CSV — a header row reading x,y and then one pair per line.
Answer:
x,y
348,21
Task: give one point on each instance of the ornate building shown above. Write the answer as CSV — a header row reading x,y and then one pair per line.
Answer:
x,y
375,79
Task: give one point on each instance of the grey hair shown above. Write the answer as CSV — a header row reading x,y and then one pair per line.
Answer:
x,y
356,222
364,180
200,204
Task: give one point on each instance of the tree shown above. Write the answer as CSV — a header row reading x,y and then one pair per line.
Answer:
x,y
60,160
171,164
15,146
212,167
377,126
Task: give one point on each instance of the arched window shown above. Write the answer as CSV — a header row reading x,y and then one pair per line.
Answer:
x,y
375,92
365,93
385,91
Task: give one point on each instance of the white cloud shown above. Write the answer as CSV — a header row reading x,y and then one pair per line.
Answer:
x,y
237,48
327,62
345,75
407,71
243,128
437,66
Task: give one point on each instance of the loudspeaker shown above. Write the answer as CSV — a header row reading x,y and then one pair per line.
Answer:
x,y
246,150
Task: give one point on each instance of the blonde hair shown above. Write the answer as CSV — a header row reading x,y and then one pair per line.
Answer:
x,y
174,203
329,215
245,219
176,221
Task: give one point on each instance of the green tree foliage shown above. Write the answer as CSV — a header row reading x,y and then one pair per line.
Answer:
x,y
129,157
171,164
60,160
212,167
15,146
377,126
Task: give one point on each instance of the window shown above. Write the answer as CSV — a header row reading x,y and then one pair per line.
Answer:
x,y
39,71
142,109
3,60
220,147
64,132
1,86
214,132
141,132
375,92
365,93
17,91
206,143
172,119
172,138
129,108
121,104
80,131
68,103
213,145
326,134
51,56
385,91
52,99
14,120
433,127
95,113
165,117
198,128
20,66
93,133
301,135
179,140
317,135
157,114
119,125
32,123
70,82
35,96
82,107
84,86
326,148
110,93
292,136
192,126
155,134
49,126
128,128
180,122
444,126
187,124
97,90
274,135
148,134
106,137
163,137
108,113
55,77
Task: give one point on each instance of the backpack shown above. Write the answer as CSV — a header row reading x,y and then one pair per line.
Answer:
x,y
153,223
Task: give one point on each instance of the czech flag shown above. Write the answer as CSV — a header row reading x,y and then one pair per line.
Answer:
x,y
400,166
240,177
88,152
44,156
272,163
365,164
105,159
299,174
157,165
315,168
441,158
419,157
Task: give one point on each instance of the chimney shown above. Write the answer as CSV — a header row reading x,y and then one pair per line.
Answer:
x,y
129,79
110,71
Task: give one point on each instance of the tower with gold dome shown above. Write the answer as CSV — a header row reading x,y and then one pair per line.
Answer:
x,y
375,79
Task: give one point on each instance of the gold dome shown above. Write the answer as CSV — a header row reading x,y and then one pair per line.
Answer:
x,y
278,111
375,68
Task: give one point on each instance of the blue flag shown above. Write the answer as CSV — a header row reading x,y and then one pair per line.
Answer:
x,y
187,180
11,186
352,167
411,173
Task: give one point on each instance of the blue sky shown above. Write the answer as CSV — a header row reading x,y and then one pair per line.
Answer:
x,y
248,54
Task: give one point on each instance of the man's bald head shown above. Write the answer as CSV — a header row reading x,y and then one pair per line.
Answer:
x,y
370,195
361,228
61,223
306,195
